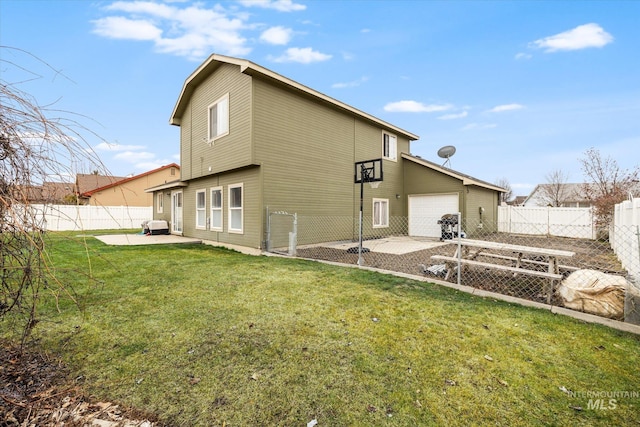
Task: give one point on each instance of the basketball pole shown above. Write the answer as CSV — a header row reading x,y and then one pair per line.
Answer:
x,y
364,175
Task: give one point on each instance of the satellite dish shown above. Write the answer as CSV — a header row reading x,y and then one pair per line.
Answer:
x,y
446,152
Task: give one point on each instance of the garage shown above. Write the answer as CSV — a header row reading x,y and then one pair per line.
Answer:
x,y
426,209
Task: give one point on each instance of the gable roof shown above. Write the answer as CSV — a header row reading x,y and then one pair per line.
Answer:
x,y
132,178
247,67
466,179
569,192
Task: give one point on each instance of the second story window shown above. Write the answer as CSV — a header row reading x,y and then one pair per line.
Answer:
x,y
389,146
219,118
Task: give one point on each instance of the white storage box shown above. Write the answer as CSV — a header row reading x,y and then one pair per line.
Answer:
x,y
157,226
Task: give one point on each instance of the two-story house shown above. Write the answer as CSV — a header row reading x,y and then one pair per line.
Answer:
x,y
252,140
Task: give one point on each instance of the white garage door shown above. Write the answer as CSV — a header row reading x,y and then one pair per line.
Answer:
x,y
426,210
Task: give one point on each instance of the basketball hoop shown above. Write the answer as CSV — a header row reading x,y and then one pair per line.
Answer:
x,y
374,184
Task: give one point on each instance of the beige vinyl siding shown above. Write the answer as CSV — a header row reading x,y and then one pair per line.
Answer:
x,y
185,145
228,152
166,210
306,150
252,208
481,197
422,180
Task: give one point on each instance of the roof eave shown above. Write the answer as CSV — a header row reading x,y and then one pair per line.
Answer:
x,y
252,69
466,180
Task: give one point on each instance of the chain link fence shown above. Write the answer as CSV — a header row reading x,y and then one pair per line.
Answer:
x,y
583,274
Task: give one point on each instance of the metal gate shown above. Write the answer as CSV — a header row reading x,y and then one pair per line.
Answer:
x,y
282,232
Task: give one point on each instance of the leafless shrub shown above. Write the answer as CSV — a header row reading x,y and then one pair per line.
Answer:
x,y
36,143
607,184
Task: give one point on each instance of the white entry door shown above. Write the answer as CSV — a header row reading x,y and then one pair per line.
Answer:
x,y
176,212
426,210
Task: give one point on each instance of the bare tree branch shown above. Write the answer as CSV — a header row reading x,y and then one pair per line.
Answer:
x,y
606,183
554,192
35,143
508,195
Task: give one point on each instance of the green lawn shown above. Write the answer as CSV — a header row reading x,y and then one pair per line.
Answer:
x,y
202,336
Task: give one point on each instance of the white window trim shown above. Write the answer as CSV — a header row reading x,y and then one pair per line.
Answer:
x,y
386,213
393,148
212,138
202,209
160,202
230,209
221,209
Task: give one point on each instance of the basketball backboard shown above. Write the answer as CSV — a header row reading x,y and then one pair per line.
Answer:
x,y
368,171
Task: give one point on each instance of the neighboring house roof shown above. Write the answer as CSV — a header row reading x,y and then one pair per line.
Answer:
x,y
517,201
568,193
47,192
214,61
89,182
132,178
56,190
466,179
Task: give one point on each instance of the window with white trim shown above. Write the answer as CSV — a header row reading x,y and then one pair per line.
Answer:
x,y
236,208
218,118
201,213
216,209
380,213
389,146
159,202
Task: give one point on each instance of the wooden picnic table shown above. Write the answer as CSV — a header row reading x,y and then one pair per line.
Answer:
x,y
468,250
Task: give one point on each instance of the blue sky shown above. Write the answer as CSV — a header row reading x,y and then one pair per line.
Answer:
x,y
520,88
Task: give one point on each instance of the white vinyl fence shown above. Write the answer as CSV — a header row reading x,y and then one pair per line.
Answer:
x,y
625,235
547,221
72,217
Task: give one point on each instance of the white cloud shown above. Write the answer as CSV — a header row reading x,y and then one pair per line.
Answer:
x,y
304,55
415,107
192,31
118,27
506,107
523,56
105,146
353,83
479,126
276,35
279,5
581,37
453,116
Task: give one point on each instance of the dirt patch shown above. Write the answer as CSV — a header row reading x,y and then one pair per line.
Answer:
x,y
589,254
36,390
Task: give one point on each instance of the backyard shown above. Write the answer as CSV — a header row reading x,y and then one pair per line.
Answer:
x,y
200,336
